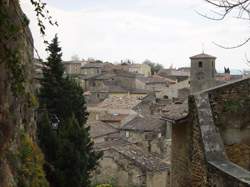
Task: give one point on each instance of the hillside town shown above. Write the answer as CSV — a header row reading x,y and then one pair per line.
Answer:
x,y
104,123
143,123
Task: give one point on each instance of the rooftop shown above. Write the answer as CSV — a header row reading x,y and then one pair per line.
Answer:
x,y
135,154
141,123
98,129
122,102
175,111
93,65
202,55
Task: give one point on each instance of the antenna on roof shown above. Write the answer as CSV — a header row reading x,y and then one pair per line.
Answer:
x,y
203,48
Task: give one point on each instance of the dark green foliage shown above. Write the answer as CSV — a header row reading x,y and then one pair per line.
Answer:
x,y
155,67
73,168
74,101
52,81
68,149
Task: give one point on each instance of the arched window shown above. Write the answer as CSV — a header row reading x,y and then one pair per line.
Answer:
x,y
200,64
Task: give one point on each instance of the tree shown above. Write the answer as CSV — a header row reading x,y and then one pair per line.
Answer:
x,y
225,7
48,142
69,152
155,67
51,89
74,167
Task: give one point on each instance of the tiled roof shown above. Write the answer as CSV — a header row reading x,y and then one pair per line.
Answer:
x,y
158,79
93,65
175,111
98,129
108,144
107,117
141,123
121,102
134,154
202,55
141,158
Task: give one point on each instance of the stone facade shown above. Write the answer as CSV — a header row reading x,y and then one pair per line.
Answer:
x,y
72,67
202,72
173,90
210,146
126,165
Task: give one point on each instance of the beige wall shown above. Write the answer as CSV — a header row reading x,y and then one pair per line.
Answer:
x,y
172,90
158,179
90,71
116,169
141,69
72,68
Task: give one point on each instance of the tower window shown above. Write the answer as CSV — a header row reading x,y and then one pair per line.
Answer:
x,y
200,64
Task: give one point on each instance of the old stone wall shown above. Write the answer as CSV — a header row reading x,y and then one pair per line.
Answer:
x,y
118,170
180,155
231,105
211,148
17,106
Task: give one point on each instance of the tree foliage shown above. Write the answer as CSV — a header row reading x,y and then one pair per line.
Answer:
x,y
68,148
155,67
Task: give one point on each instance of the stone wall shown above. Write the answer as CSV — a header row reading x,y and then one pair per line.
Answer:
x,y
17,111
231,106
118,170
203,152
180,155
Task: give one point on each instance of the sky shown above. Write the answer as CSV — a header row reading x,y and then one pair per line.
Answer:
x,y
164,31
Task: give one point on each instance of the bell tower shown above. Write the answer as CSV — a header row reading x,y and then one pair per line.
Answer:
x,y
202,72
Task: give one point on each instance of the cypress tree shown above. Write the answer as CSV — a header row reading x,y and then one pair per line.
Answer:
x,y
73,157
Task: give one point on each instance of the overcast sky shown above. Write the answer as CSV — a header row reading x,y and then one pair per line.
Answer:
x,y
164,31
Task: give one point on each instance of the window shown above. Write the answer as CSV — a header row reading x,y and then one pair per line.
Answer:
x,y
127,134
200,64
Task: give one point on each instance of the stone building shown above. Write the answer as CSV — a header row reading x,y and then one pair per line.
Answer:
x,y
202,72
176,75
100,130
117,83
92,68
157,83
142,69
72,67
125,164
180,89
148,133
211,142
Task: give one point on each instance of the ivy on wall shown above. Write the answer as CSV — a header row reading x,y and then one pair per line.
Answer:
x,y
11,29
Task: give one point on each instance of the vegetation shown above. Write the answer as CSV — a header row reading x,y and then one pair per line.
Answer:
x,y
67,147
28,162
155,67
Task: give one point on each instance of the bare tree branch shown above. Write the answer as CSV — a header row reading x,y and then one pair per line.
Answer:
x,y
242,8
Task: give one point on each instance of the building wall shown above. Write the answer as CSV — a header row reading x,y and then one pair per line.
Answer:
x,y
140,68
202,77
120,171
180,155
72,68
231,106
215,132
172,90
158,179
90,71
156,86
